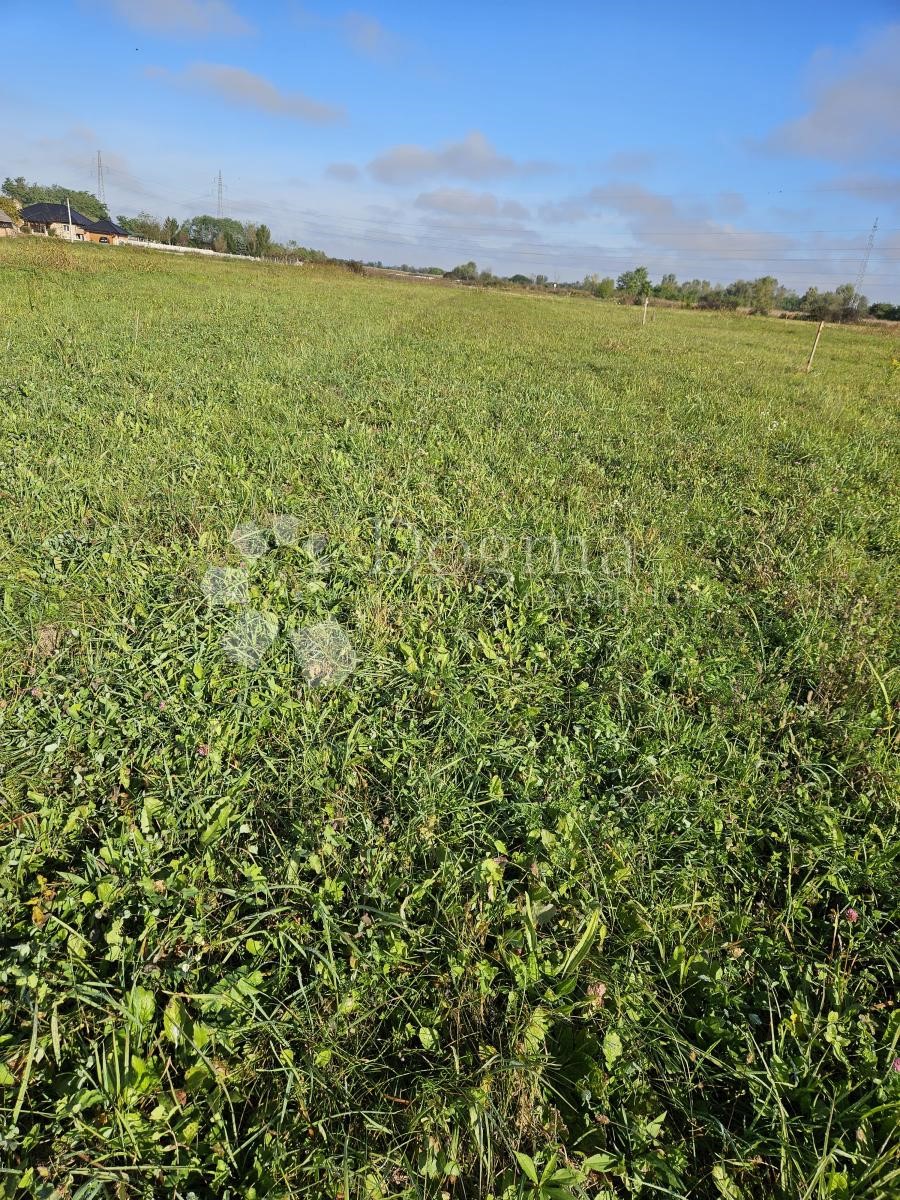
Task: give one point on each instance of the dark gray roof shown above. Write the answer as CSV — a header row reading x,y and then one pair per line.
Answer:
x,y
5,218
51,214
107,226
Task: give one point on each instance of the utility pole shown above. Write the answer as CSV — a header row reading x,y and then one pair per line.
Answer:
x,y
863,267
101,190
69,211
219,212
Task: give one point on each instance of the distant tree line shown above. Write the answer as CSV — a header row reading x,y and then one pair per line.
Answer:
x,y
884,311
765,294
226,235
406,268
202,232
760,296
222,234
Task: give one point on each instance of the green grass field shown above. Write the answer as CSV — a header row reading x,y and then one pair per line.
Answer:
x,y
583,883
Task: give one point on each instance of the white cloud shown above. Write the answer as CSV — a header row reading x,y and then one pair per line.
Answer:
x,y
369,38
473,158
658,222
564,212
242,87
365,35
342,171
630,162
731,204
854,114
873,188
463,203
209,18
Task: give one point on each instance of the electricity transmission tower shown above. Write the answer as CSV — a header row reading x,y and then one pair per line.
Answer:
x,y
863,266
219,211
101,189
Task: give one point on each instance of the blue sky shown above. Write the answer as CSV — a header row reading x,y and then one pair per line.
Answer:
x,y
710,140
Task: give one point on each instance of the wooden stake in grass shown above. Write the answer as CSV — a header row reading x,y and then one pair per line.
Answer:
x,y
812,352
644,315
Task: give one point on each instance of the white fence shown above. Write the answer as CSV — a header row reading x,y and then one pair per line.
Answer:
x,y
146,245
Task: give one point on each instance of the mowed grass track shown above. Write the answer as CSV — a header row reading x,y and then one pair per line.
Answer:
x,y
592,860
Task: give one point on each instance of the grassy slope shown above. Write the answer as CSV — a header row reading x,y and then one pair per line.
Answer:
x,y
333,954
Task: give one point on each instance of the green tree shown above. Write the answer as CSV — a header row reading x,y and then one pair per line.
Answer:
x,y
840,305
815,304
169,230
634,283
719,297
763,294
849,305
10,207
603,288
263,240
36,193
210,233
883,311
691,291
466,270
143,225
667,288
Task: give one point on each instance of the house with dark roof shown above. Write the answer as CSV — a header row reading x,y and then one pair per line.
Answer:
x,y
7,225
55,218
107,232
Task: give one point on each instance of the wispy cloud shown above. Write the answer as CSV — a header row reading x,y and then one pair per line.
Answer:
x,y
69,156
630,162
873,188
672,234
473,158
689,237
657,220
243,88
369,38
364,34
75,148
565,212
854,113
731,204
199,18
464,203
343,172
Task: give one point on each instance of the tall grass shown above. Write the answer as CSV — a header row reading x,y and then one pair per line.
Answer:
x,y
584,882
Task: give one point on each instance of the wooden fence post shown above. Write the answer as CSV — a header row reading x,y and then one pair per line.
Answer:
x,y
812,352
